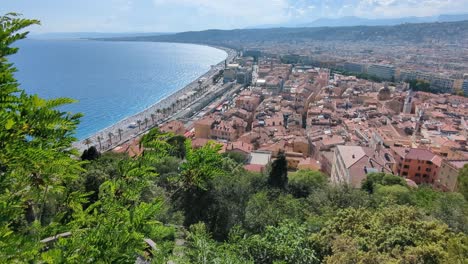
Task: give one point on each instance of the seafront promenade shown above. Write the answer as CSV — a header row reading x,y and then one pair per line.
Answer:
x,y
138,124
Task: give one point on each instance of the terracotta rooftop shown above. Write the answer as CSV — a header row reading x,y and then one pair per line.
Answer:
x,y
418,154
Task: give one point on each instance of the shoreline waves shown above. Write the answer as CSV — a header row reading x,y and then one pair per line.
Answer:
x,y
124,126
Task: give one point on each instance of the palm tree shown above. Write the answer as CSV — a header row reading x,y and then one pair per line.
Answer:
x,y
88,142
110,135
139,124
152,117
120,133
173,106
158,114
99,138
146,122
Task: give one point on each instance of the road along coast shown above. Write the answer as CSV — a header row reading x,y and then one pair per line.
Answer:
x,y
133,126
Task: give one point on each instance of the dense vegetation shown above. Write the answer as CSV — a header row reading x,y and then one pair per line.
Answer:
x,y
360,75
421,85
197,206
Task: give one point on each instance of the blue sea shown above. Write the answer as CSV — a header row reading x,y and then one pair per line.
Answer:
x,y
110,80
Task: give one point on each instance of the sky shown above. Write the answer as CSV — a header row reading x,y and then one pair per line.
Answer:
x,y
187,15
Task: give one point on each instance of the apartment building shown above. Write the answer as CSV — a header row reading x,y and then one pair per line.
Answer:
x,y
386,72
352,163
418,165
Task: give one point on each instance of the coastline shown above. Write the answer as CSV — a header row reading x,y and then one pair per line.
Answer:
x,y
122,133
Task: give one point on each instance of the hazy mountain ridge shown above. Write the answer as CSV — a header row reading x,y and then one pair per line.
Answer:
x,y
349,21
447,32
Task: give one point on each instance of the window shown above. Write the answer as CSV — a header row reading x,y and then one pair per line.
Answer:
x,y
425,175
428,169
405,173
406,166
428,162
418,175
419,168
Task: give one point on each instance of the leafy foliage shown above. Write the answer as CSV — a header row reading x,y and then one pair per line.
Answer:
x,y
387,234
462,183
286,243
35,163
279,172
304,182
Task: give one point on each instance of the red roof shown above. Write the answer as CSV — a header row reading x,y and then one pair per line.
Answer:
x,y
423,154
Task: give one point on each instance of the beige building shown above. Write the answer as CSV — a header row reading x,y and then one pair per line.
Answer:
x,y
174,126
301,145
448,174
203,127
248,101
351,164
229,130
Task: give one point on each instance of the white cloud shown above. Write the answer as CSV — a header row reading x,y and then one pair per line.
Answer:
x,y
400,8
264,11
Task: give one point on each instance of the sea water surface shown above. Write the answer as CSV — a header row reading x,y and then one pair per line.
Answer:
x,y
110,80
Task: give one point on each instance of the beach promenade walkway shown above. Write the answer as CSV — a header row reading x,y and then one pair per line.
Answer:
x,y
162,111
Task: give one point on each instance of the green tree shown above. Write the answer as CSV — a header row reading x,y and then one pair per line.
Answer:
x,y
421,85
304,182
199,169
462,183
236,156
286,243
202,249
279,172
90,154
389,234
269,209
35,156
230,194
380,178
120,210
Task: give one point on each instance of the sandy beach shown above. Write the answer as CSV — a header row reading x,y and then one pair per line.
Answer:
x,y
129,128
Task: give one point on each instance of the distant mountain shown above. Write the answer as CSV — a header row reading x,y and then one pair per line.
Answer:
x,y
84,35
358,21
350,21
453,18
446,32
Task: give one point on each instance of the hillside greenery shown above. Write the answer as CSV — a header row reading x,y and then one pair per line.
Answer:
x,y
197,205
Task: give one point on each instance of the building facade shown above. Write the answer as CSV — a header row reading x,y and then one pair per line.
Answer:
x,y
353,67
351,164
438,83
385,72
465,87
418,165
447,178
